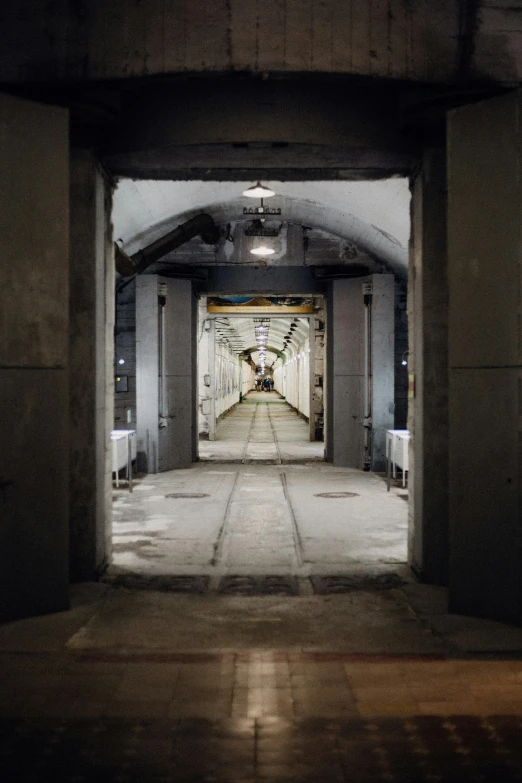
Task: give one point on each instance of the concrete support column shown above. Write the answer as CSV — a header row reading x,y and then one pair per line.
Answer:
x,y
345,369
34,359
91,351
485,357
383,365
428,364
166,373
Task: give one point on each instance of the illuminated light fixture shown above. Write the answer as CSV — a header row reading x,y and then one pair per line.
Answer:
x,y
404,360
258,191
262,250
121,361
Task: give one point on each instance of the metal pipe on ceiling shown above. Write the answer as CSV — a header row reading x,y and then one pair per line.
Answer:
x,y
202,225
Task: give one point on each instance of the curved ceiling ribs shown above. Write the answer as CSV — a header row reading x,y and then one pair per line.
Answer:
x,y
285,335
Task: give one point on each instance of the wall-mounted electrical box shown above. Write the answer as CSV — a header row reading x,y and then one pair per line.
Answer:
x,y
121,383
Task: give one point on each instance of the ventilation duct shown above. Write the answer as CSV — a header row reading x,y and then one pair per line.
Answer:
x,y
201,225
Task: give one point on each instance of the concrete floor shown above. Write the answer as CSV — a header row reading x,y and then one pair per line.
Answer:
x,y
263,428
259,519
259,506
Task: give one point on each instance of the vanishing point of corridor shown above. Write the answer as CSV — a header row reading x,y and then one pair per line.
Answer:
x,y
263,428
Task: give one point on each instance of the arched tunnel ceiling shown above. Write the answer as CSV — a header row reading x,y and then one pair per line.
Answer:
x,y
239,333
374,215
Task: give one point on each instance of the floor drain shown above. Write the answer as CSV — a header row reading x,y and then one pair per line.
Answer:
x,y
259,585
327,585
182,495
337,495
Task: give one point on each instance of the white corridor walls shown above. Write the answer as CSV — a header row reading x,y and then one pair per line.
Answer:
x,y
248,378
227,373
223,376
292,378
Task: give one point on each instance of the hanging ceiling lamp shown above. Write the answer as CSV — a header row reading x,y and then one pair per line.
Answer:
x,y
258,191
262,250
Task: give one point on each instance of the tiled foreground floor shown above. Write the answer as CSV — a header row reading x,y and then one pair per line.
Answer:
x,y
258,716
264,749
219,686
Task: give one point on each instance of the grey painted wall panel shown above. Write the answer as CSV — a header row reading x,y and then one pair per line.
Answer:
x,y
176,440
348,400
147,363
383,365
172,446
345,367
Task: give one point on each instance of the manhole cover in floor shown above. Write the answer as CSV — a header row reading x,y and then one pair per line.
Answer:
x,y
259,585
181,495
326,585
337,495
163,584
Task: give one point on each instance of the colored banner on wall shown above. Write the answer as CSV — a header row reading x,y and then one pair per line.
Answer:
x,y
286,305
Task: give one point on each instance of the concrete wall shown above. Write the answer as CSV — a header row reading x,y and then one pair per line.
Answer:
x,y
91,352
34,359
120,39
